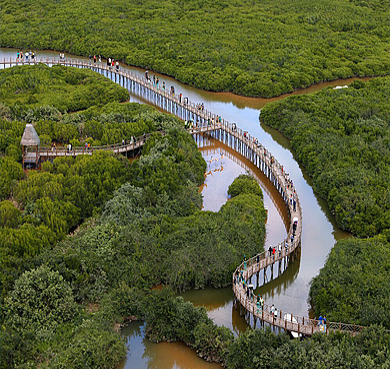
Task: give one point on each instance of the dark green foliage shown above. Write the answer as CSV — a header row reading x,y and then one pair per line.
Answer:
x,y
18,247
91,345
212,341
10,172
354,285
30,89
206,247
342,138
263,349
40,301
83,343
171,318
244,184
171,166
10,216
253,48
70,190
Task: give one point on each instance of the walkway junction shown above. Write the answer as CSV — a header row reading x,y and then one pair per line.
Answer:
x,y
206,123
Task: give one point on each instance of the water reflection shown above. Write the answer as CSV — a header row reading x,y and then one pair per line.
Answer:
x,y
217,182
145,354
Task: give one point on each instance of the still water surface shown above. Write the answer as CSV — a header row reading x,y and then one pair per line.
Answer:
x,y
289,292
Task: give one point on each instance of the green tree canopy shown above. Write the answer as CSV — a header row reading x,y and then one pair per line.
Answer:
x,y
40,301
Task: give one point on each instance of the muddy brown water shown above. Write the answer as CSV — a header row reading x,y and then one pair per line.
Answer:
x,y
289,292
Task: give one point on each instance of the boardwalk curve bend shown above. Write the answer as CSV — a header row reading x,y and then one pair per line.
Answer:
x,y
208,123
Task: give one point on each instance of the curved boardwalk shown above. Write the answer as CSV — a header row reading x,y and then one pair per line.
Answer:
x,y
207,123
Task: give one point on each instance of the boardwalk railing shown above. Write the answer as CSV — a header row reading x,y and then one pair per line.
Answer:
x,y
206,122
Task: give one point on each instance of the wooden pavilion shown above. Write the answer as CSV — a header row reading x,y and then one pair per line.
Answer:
x,y
30,145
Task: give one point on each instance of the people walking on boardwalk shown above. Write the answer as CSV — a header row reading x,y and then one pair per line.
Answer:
x,y
244,262
273,253
157,83
320,320
270,251
117,66
163,86
295,225
108,62
272,310
100,58
261,302
94,59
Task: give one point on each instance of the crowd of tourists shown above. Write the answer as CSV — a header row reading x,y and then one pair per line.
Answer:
x,y
25,56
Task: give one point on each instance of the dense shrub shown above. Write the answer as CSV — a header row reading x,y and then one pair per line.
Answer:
x,y
244,184
342,138
347,288
37,92
40,301
263,349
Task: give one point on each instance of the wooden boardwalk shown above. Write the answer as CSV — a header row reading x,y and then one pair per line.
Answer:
x,y
207,123
47,153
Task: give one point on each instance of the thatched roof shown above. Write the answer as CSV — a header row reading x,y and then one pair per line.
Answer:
x,y
30,136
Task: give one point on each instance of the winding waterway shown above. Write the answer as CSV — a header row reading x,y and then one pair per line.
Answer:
x,y
289,292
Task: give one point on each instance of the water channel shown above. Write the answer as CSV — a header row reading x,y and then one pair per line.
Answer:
x,y
289,292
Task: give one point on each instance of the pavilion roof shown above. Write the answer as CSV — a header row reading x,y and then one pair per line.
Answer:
x,y
30,136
